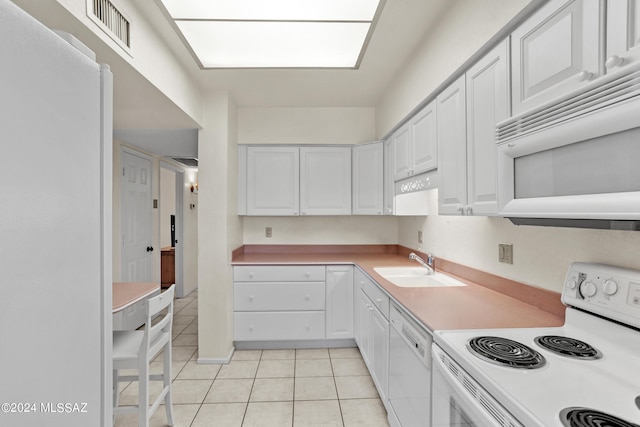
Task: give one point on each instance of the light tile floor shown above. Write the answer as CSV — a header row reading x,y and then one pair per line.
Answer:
x,y
262,388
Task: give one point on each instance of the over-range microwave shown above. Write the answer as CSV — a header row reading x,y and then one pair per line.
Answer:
x,y
576,159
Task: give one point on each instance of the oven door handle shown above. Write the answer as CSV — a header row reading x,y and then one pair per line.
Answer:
x,y
470,403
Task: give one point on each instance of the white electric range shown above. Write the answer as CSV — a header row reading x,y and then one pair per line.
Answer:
x,y
583,374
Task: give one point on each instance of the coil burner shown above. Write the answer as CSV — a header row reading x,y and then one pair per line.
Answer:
x,y
505,352
585,417
569,347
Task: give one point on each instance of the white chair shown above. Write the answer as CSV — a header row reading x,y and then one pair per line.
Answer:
x,y
136,349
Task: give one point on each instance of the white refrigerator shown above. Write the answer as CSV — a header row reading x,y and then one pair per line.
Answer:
x,y
55,229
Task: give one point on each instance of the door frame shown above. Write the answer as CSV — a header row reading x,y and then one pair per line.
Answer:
x,y
179,248
127,150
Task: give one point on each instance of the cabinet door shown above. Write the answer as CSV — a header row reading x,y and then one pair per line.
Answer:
x,y
388,177
487,104
380,351
623,33
363,311
325,180
452,149
273,180
401,140
339,302
554,52
424,141
368,179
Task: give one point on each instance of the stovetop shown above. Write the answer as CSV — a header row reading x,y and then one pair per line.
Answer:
x,y
604,378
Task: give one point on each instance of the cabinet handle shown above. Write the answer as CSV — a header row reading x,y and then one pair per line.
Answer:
x,y
584,76
614,61
469,210
460,209
378,300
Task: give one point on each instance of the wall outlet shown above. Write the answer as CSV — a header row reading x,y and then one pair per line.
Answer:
x,y
419,236
268,232
505,253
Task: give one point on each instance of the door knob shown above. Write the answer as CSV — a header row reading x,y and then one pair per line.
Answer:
x,y
149,248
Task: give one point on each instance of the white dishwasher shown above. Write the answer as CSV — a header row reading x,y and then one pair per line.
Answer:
x,y
409,372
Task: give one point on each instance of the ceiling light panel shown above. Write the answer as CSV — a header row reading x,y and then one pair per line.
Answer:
x,y
233,44
273,10
275,33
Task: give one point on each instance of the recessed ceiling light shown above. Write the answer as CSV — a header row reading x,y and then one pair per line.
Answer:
x,y
275,33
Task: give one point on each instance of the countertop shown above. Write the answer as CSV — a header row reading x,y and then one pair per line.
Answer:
x,y
126,294
476,306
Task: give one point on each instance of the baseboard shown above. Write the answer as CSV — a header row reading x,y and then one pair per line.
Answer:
x,y
217,360
285,345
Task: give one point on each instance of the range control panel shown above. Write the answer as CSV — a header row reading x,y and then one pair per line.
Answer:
x,y
610,291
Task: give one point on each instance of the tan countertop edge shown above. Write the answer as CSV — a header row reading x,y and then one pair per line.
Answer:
x,y
489,301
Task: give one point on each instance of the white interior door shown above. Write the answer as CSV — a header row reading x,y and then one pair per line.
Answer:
x,y
137,248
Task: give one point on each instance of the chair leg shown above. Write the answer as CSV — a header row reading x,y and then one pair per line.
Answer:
x,y
167,382
143,393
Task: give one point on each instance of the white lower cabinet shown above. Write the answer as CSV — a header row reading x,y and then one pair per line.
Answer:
x,y
372,330
293,303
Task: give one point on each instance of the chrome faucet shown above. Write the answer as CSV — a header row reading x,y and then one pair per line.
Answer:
x,y
428,265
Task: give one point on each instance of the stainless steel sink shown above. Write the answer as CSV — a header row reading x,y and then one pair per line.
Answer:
x,y
416,277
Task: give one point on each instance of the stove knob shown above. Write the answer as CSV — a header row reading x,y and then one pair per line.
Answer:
x,y
571,284
610,287
588,289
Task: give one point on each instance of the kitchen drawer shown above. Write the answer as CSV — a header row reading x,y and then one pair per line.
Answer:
x,y
377,296
279,273
277,326
274,296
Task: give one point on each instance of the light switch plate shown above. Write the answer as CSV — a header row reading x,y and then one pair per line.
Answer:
x,y
268,232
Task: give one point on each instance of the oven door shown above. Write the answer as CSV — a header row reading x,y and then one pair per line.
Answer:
x,y
456,398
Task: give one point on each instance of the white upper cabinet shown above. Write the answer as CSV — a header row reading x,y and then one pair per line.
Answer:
x,y
623,33
424,141
415,147
452,151
368,179
556,51
325,180
402,159
272,184
487,104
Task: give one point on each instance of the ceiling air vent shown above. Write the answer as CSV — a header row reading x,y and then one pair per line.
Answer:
x,y
110,17
191,162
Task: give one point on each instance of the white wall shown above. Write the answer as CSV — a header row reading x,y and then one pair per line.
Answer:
x,y
462,31
305,125
219,227
327,230
541,255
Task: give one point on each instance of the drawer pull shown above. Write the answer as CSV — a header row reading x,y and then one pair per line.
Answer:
x,y
308,327
250,297
307,297
251,328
